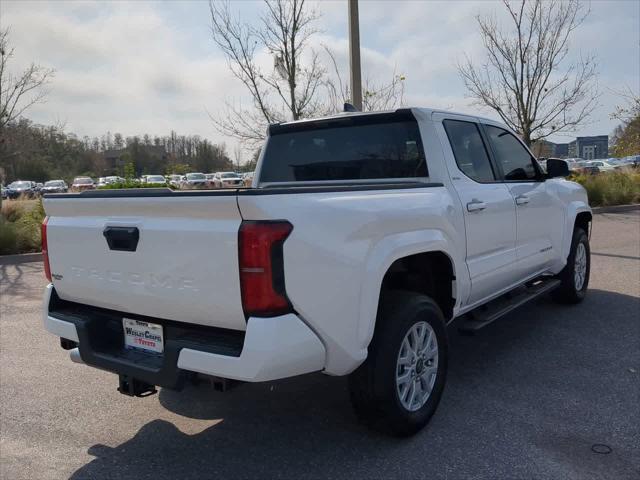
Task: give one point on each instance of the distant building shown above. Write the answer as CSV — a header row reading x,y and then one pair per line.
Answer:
x,y
588,148
543,148
562,150
591,148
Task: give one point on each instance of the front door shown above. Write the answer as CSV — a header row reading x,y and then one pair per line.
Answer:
x,y
539,215
489,211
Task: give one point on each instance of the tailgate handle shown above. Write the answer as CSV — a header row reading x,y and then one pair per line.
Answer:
x,y
124,239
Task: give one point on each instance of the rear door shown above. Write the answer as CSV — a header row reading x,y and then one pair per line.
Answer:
x,y
489,211
183,265
539,214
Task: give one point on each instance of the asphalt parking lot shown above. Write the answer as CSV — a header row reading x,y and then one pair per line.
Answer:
x,y
527,397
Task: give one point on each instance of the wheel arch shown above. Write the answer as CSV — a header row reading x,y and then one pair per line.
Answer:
x,y
578,214
420,260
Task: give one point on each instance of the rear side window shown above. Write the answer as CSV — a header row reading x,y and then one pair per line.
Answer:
x,y
469,150
351,148
515,160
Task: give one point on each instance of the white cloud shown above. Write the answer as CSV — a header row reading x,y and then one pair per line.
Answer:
x,y
137,67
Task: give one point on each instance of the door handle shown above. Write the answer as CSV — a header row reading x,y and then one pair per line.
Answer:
x,y
522,200
476,206
124,239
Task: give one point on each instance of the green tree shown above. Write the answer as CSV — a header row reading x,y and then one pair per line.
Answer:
x,y
129,172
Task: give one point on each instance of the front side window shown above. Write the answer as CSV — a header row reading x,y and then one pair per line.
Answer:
x,y
352,148
469,151
511,155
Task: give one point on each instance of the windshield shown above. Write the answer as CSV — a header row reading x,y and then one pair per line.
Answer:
x,y
54,183
195,176
82,181
377,146
229,175
20,185
155,179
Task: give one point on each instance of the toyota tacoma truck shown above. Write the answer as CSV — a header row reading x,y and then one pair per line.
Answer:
x,y
363,236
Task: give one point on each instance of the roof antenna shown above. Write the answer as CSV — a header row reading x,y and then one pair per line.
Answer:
x,y
349,108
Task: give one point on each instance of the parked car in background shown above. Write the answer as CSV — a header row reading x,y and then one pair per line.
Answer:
x,y
573,162
211,180
227,180
54,186
114,179
247,179
156,180
102,181
194,180
602,165
82,183
22,188
3,191
175,180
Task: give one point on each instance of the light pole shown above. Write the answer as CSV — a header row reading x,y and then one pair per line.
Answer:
x,y
354,55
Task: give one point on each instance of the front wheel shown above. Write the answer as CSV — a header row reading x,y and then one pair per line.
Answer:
x,y
574,277
398,388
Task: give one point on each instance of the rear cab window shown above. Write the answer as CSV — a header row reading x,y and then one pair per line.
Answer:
x,y
353,148
469,150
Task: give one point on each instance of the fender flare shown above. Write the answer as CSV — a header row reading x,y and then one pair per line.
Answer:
x,y
382,256
574,208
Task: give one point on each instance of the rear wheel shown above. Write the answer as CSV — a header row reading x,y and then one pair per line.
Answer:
x,y
574,277
398,387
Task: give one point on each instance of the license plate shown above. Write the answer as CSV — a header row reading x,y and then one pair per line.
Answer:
x,y
143,335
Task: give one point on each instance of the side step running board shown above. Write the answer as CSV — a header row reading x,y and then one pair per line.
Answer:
x,y
489,313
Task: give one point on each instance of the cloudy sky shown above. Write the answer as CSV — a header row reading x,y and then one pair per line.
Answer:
x,y
149,67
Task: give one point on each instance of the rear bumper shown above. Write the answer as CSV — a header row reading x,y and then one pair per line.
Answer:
x,y
269,349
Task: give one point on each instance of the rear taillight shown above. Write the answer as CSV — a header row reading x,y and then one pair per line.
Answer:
x,y
45,249
262,267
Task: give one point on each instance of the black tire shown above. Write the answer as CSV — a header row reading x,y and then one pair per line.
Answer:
x,y
567,291
373,387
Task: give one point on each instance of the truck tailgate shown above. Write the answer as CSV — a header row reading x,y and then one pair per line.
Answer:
x,y
184,266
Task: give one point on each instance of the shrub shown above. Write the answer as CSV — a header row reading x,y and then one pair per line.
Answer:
x,y
8,237
611,188
20,227
12,211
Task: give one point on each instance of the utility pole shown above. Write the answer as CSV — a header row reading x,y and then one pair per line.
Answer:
x,y
354,55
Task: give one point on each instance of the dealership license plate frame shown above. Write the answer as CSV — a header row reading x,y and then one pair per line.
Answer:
x,y
147,343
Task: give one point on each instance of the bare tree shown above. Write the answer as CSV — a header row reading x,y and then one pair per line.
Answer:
x,y
630,109
376,95
289,90
22,91
298,85
526,78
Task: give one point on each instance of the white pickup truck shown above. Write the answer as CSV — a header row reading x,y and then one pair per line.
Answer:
x,y
363,237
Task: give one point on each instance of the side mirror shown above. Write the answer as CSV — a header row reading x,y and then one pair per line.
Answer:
x,y
557,168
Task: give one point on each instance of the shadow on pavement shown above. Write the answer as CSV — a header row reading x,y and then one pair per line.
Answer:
x,y
12,284
523,394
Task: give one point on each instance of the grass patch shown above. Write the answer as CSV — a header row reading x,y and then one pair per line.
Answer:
x,y
611,188
20,226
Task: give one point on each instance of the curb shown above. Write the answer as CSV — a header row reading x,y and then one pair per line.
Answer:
x,y
616,208
20,258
